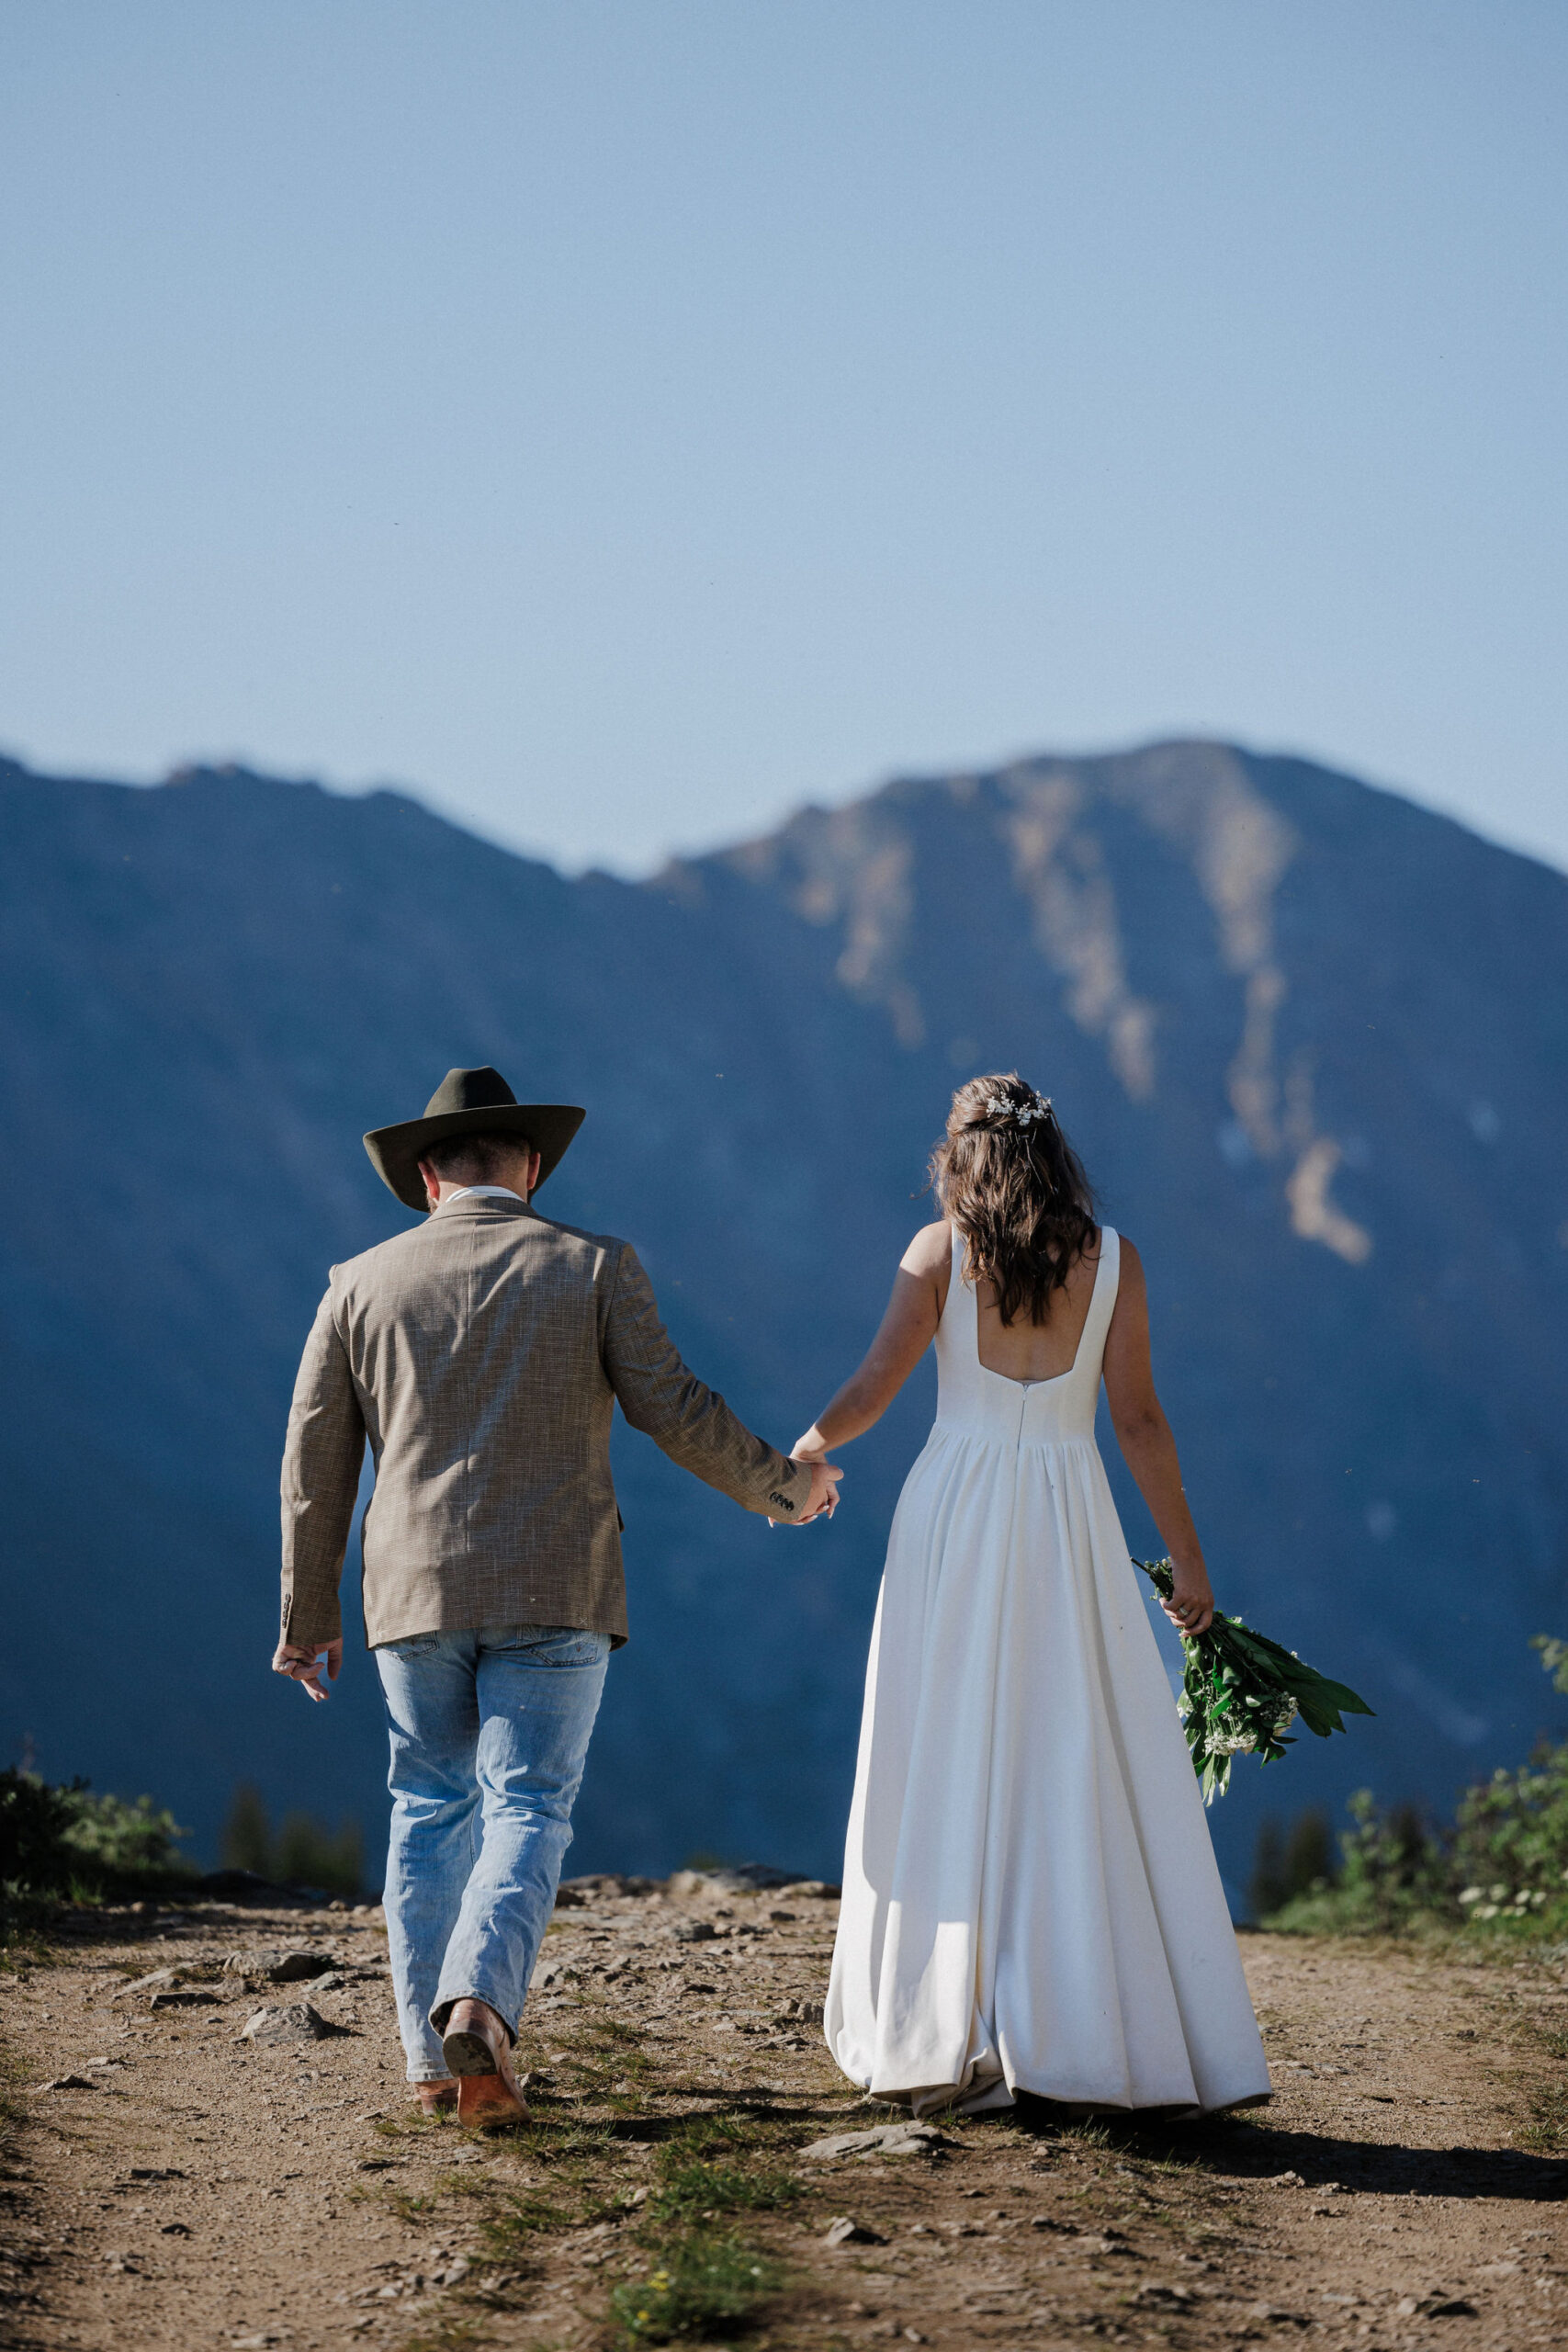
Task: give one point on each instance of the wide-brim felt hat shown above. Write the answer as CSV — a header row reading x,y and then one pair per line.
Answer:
x,y
468,1103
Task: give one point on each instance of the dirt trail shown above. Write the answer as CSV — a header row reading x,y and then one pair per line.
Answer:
x,y
182,2188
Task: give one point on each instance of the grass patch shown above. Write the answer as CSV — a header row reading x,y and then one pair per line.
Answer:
x,y
516,2218
1545,2129
1546,2132
696,2191
681,2270
702,2278
569,2141
720,2164
597,2059
13,2114
698,2285
450,2334
1088,2134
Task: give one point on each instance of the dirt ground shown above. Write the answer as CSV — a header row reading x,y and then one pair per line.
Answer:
x,y
168,2183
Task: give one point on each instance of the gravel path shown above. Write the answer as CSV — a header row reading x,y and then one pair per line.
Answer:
x,y
169,2183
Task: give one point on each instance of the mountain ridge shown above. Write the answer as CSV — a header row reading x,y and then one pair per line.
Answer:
x,y
1311,1035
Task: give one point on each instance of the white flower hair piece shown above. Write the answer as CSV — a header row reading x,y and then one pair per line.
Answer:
x,y
1023,1114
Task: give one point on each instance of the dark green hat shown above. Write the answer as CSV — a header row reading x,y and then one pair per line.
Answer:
x,y
468,1103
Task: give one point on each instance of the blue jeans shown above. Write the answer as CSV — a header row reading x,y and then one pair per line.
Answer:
x,y
490,1732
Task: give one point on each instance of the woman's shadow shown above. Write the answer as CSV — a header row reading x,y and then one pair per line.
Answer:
x,y
1246,2148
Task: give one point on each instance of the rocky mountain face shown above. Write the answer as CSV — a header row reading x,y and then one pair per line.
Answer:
x,y
1311,1040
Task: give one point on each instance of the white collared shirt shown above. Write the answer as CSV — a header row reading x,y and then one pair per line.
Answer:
x,y
479,1191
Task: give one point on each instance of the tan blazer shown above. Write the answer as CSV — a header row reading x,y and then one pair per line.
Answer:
x,y
483,1355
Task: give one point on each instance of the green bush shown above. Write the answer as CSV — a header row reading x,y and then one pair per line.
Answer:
x,y
1510,1845
1501,1866
125,1839
68,1843
247,1833
302,1852
1284,1867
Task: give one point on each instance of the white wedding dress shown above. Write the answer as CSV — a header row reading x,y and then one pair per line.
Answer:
x,y
1030,1900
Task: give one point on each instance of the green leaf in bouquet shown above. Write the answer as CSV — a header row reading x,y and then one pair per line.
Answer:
x,y
1240,1691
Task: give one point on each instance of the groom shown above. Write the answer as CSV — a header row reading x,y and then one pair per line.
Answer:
x,y
483,1354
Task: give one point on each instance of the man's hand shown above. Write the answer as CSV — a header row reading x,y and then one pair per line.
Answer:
x,y
824,1495
302,1663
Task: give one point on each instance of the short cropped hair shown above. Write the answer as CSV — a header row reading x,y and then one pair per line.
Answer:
x,y
476,1159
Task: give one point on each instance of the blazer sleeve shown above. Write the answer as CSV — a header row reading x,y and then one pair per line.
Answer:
x,y
691,1422
320,1483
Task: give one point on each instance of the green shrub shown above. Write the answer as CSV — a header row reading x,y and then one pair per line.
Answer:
x,y
1394,1870
66,1842
1501,1866
125,1839
33,1821
1510,1846
302,1852
1283,1867
247,1833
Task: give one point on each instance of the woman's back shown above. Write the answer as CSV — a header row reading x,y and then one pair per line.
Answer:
x,y
1024,1350
975,1401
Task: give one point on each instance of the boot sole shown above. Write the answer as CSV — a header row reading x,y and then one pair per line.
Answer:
x,y
468,2054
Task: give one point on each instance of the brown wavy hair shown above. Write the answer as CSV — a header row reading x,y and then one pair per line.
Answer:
x,y
1016,1190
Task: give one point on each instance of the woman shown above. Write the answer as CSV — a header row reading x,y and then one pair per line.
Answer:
x,y
1030,1901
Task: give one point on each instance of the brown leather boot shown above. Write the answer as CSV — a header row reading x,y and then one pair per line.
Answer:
x,y
437,2099
478,2048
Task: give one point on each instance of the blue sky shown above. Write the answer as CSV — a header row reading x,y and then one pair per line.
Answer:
x,y
619,424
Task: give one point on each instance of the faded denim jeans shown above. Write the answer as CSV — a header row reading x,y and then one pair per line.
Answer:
x,y
489,1730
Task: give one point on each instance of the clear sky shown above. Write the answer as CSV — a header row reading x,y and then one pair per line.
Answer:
x,y
621,422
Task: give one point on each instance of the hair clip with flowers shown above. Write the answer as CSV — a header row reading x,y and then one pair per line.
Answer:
x,y
1022,1114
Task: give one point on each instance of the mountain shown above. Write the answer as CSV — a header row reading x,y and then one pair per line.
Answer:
x,y
1310,1039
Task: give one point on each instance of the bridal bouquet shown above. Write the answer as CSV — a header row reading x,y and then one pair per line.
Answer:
x,y
1241,1692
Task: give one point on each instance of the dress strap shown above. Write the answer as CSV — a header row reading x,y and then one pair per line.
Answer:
x,y
956,1286
1103,1305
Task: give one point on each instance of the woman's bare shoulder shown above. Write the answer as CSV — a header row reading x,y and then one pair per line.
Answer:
x,y
1130,1283
930,1254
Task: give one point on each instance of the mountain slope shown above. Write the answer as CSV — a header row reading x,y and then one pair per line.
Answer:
x,y
1310,1039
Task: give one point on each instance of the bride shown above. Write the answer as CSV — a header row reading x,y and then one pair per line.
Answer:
x,y
1030,1901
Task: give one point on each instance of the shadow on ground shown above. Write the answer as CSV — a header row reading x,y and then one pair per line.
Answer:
x,y
1247,2149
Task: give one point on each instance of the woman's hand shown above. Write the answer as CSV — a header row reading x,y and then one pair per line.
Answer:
x,y
1190,1608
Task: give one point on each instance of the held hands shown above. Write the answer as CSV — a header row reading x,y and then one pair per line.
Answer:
x,y
823,1499
302,1663
1192,1604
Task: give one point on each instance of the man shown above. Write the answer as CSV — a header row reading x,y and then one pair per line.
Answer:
x,y
483,1354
